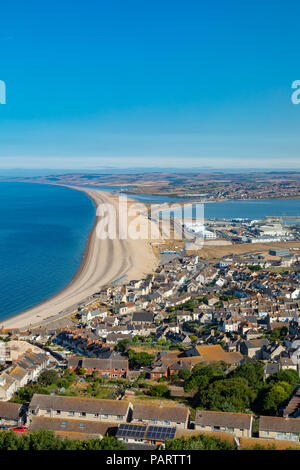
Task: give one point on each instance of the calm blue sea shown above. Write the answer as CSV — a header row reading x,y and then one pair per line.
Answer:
x,y
43,235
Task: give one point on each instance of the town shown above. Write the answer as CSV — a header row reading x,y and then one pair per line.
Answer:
x,y
201,347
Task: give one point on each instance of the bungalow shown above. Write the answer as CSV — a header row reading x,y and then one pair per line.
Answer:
x,y
239,424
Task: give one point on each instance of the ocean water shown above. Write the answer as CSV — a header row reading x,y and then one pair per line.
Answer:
x,y
43,235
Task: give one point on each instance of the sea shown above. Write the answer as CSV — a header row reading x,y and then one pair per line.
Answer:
x,y
43,234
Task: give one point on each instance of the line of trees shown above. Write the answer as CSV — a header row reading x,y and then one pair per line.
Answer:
x,y
47,440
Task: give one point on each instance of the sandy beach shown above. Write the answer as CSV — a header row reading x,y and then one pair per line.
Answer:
x,y
104,261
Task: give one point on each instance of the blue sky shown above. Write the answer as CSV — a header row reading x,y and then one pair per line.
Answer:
x,y
163,83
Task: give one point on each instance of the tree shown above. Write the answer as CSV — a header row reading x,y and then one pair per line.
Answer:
x,y
275,397
161,341
48,377
184,374
202,375
139,359
233,395
289,376
25,394
256,267
123,345
253,372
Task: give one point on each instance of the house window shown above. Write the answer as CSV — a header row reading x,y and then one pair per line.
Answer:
x,y
152,421
58,412
96,415
82,425
119,416
105,416
48,411
64,423
71,413
83,413
167,423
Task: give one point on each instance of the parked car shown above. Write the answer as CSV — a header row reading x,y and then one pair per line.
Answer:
x,y
20,429
4,427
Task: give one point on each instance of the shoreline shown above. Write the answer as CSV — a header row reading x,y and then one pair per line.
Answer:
x,y
89,277
81,266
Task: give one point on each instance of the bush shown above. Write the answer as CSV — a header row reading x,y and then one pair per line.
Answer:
x,y
48,377
139,359
201,442
159,391
47,440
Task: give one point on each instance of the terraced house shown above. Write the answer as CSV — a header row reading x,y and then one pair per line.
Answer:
x,y
11,414
73,428
238,424
78,408
114,368
279,428
175,416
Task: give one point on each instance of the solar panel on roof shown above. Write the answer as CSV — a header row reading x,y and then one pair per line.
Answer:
x,y
160,432
131,430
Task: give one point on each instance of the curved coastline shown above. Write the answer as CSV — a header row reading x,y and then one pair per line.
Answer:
x,y
103,262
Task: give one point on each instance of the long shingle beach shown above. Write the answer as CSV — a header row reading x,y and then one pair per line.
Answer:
x,y
104,261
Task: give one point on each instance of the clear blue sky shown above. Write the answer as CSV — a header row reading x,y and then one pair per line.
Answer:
x,y
149,83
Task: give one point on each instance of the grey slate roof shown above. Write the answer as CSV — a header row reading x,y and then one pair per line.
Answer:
x,y
77,404
218,418
270,423
10,410
166,413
